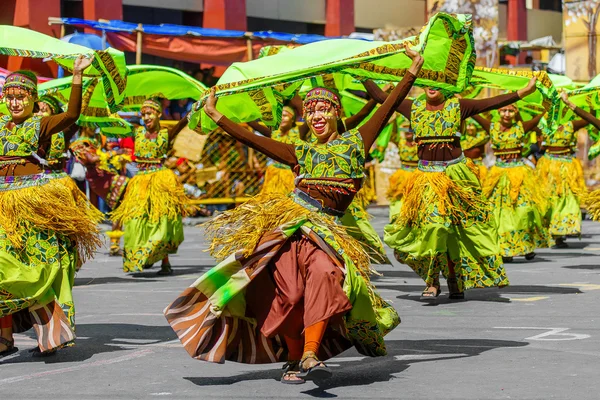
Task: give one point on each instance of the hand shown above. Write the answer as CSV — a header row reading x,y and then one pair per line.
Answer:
x,y
210,107
81,63
565,98
527,90
387,87
416,58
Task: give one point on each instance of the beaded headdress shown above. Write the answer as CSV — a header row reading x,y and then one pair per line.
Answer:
x,y
52,102
153,104
23,80
321,94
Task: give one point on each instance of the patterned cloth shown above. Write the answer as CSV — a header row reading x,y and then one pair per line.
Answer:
x,y
22,139
151,148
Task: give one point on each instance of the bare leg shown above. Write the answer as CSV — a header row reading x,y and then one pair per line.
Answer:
x,y
455,293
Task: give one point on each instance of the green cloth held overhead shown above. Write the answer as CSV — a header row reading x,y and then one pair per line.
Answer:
x,y
257,89
143,81
108,65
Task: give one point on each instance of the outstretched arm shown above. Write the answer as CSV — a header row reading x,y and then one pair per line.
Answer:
x,y
371,129
484,122
587,117
530,125
281,152
59,122
262,129
380,96
355,120
470,107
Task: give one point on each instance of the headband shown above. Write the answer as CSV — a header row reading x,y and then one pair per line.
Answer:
x,y
52,102
153,104
321,94
291,110
22,80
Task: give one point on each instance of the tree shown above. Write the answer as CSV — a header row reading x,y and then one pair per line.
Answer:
x,y
587,12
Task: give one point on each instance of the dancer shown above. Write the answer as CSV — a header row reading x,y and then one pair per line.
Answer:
x,y
473,143
562,176
409,159
512,187
445,223
291,282
154,202
42,230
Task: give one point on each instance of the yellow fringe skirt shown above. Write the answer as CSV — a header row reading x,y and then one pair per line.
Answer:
x,y
397,187
563,184
278,179
519,206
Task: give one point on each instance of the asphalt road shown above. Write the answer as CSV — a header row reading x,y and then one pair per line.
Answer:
x,y
536,339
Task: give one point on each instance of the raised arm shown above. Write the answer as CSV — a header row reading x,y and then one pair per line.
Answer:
x,y
470,107
262,129
355,120
587,117
174,131
530,125
281,152
59,122
371,129
484,122
380,96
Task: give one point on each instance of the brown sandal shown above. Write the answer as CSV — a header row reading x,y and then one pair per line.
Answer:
x,y
317,372
291,369
427,294
10,347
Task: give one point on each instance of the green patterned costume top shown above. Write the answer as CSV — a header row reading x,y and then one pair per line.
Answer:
x,y
57,147
468,142
444,122
564,136
22,140
406,152
342,158
512,138
292,137
151,148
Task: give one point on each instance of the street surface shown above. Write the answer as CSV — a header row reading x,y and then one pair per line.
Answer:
x,y
536,339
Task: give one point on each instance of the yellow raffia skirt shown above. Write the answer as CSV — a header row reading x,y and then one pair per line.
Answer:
x,y
563,184
397,186
278,179
58,206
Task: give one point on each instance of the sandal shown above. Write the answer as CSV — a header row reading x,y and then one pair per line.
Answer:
x,y
530,256
427,294
37,353
165,270
291,369
317,372
10,347
453,288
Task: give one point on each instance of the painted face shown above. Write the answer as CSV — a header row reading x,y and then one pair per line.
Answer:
x,y
151,118
507,114
19,104
322,121
433,95
287,120
45,110
471,130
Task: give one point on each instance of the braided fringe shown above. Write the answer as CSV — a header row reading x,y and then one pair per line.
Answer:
x,y
523,182
559,176
57,206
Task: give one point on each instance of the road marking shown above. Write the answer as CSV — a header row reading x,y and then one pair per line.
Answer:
x,y
411,357
551,332
116,360
582,286
528,298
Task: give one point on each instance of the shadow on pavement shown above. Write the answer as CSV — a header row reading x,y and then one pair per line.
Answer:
x,y
401,355
588,267
177,270
486,294
100,338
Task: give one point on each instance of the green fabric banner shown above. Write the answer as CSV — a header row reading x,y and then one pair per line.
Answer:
x,y
257,89
108,65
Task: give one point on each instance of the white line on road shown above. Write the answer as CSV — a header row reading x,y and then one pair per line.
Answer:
x,y
551,332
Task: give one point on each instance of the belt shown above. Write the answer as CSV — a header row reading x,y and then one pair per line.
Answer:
x,y
317,204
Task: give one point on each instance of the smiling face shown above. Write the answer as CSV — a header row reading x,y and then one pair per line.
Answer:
x,y
151,118
322,120
471,130
45,110
20,104
287,120
507,114
433,95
